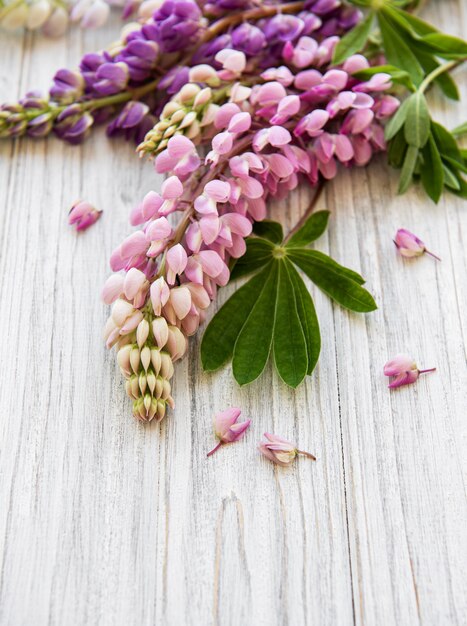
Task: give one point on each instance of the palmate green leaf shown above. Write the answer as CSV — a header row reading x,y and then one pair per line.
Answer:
x,y
253,345
354,41
334,281
267,229
219,338
307,314
311,230
289,344
432,174
258,254
410,22
274,310
417,123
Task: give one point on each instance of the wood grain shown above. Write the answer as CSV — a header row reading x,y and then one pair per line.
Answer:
x,y
106,522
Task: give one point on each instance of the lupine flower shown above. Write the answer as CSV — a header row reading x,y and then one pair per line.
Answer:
x,y
404,369
82,215
227,429
280,451
409,245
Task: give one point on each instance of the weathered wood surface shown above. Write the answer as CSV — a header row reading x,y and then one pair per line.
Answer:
x,y
104,521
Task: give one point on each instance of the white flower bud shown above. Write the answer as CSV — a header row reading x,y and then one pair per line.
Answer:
x,y
146,357
135,359
156,360
142,382
56,24
167,366
161,331
39,12
123,359
142,332
16,18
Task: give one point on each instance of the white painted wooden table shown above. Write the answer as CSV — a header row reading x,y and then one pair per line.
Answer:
x,y
106,522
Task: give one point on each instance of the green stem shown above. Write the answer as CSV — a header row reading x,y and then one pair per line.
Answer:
x,y
441,69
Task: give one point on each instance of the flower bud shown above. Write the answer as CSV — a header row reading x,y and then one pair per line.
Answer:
x,y
161,331
142,333
227,429
279,450
135,359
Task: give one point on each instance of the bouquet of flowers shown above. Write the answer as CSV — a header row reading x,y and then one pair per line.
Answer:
x,y
237,102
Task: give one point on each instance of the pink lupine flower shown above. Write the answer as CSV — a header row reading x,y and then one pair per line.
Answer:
x,y
136,287
227,429
180,157
113,288
409,245
274,135
158,232
404,369
233,63
280,74
280,451
176,260
160,293
82,215
378,82
302,53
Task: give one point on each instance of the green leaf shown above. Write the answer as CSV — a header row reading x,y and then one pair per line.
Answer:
x,y
322,270
410,22
313,228
267,229
354,41
408,169
417,124
429,63
397,121
397,149
289,344
460,130
397,52
446,143
307,314
258,254
450,179
219,338
432,174
251,350
445,45
397,75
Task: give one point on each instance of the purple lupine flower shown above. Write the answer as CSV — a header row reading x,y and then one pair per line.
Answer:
x,y
134,120
140,55
176,24
67,86
111,78
89,65
73,124
248,39
282,28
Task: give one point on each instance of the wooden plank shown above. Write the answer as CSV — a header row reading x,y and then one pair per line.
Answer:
x,y
103,521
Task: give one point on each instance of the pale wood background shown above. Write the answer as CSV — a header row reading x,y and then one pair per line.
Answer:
x,y
106,522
